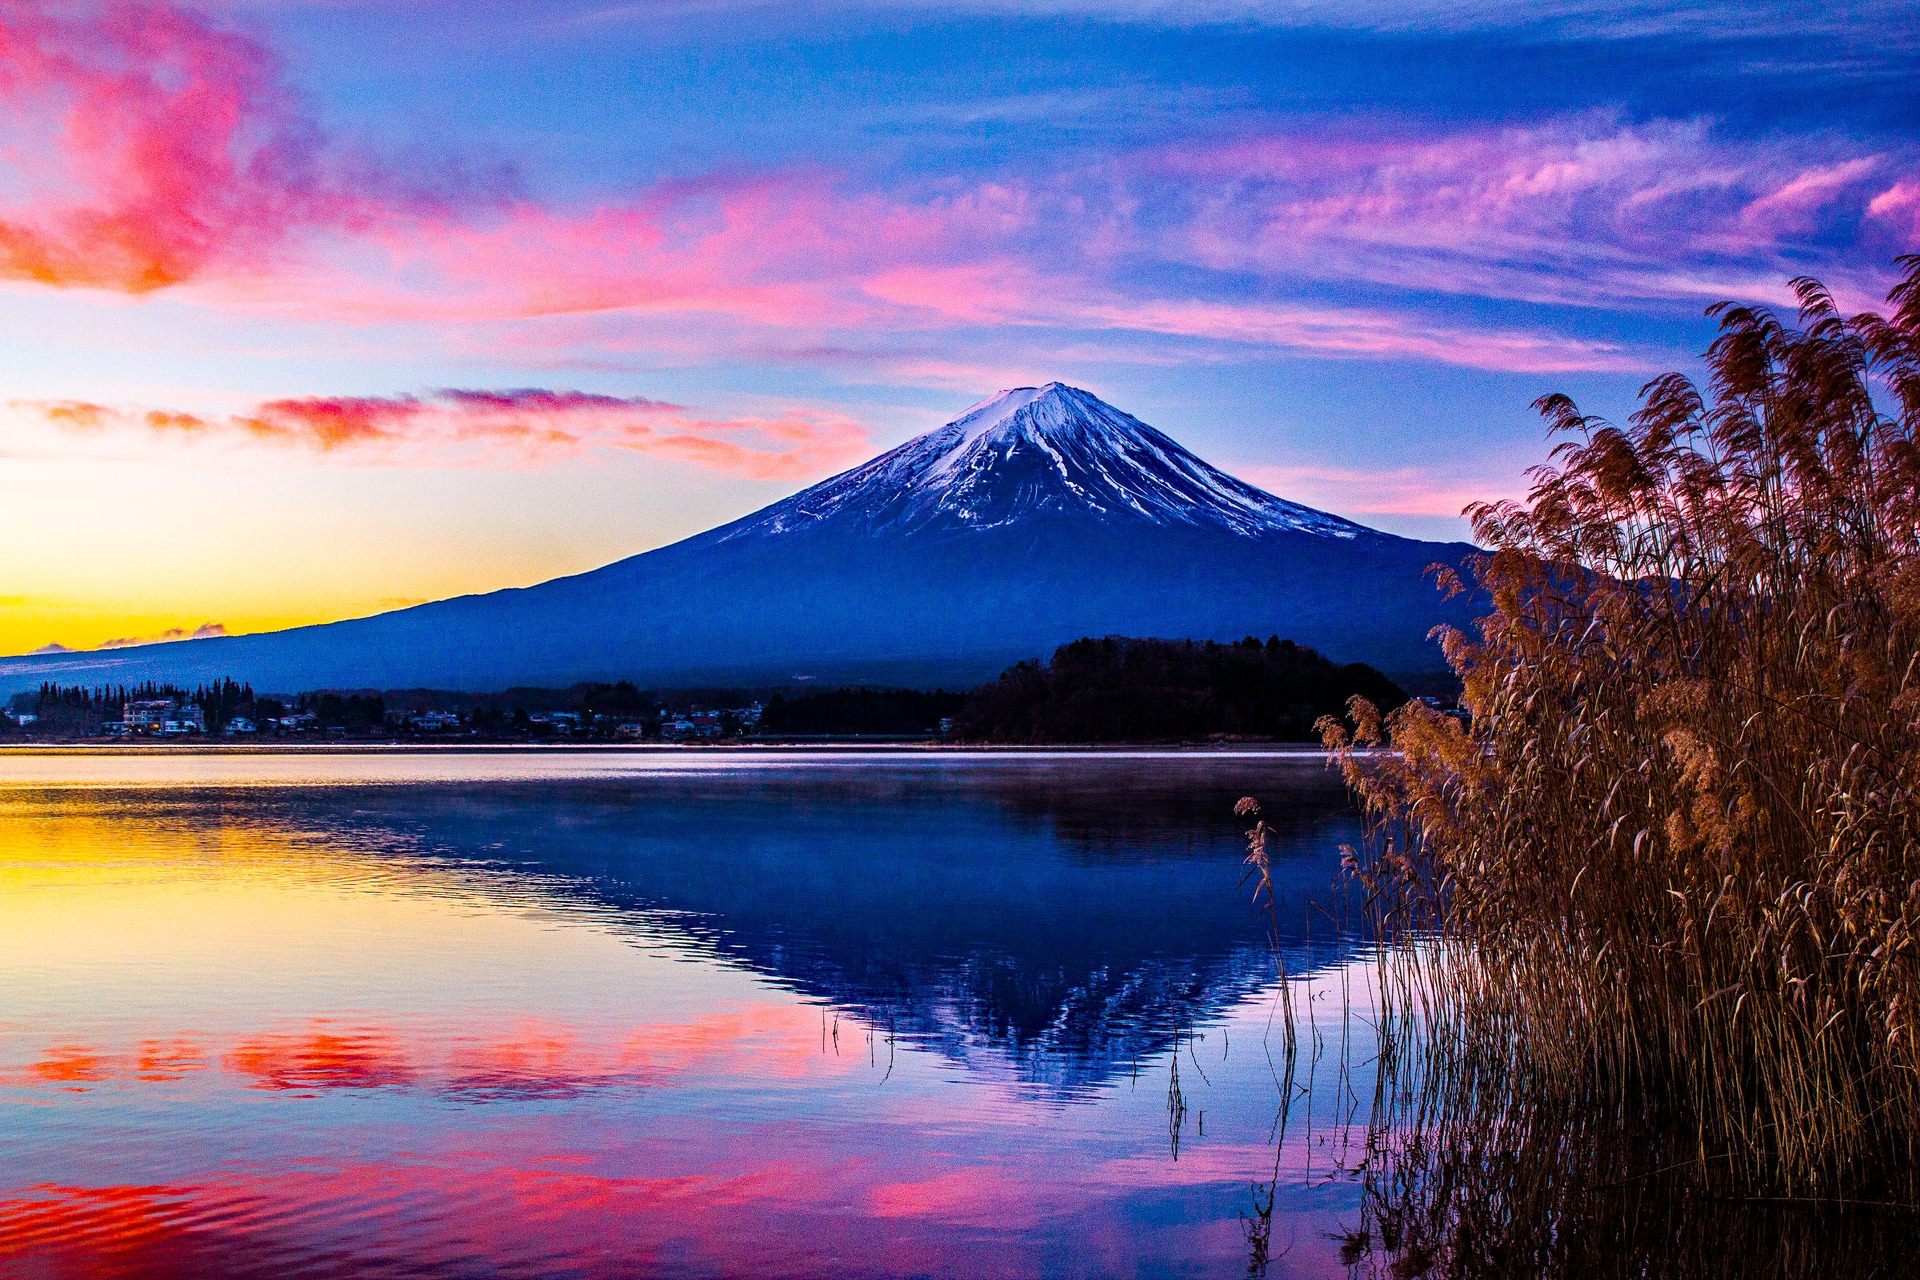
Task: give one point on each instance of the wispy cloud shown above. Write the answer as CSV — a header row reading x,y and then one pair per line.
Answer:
x,y
205,631
513,427
1580,210
1360,333
1588,19
1388,491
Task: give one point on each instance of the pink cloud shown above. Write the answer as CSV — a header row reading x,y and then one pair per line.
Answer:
x,y
1899,205
974,293
205,631
511,427
784,250
1794,206
148,148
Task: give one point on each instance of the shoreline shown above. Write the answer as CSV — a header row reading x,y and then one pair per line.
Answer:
x,y
664,749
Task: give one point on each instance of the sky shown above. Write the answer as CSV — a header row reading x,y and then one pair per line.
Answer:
x,y
316,308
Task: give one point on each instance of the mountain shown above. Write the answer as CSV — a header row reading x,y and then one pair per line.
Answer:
x,y
1040,515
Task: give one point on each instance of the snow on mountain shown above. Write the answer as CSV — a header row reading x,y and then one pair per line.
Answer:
x,y
1050,450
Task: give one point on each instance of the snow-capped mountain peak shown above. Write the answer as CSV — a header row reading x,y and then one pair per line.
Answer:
x,y
1029,452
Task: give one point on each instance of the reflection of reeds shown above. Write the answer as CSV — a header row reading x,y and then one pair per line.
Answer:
x,y
1661,897
1467,1176
1176,1102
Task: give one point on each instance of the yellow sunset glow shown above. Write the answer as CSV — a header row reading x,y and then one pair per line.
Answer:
x,y
113,548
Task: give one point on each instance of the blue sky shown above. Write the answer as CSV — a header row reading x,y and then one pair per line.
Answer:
x,y
720,250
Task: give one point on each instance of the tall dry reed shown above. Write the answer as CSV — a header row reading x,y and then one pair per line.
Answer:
x,y
1671,873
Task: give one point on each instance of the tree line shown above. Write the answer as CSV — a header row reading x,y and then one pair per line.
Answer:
x,y
77,710
1116,689
1119,689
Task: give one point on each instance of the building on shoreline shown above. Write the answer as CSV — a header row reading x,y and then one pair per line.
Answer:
x,y
165,716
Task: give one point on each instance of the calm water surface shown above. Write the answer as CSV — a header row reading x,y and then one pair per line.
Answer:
x,y
621,1013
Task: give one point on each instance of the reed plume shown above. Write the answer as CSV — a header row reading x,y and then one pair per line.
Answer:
x,y
1670,872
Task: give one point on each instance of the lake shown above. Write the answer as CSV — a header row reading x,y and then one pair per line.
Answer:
x,y
796,1013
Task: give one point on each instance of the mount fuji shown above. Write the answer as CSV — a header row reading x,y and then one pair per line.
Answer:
x,y
1040,515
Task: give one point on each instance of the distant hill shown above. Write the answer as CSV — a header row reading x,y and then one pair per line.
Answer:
x,y
1040,514
1125,690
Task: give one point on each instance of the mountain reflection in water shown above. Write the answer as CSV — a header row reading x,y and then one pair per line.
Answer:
x,y
1061,922
705,1015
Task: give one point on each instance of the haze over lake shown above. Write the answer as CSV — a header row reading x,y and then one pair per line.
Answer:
x,y
600,1014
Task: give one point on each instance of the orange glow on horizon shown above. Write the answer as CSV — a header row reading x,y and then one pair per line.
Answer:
x,y
262,537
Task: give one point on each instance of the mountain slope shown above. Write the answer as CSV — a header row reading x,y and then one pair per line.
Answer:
x,y
1040,515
